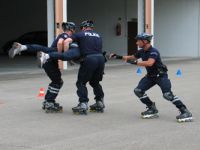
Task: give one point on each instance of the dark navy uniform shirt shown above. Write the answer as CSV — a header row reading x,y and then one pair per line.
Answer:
x,y
89,42
62,35
151,53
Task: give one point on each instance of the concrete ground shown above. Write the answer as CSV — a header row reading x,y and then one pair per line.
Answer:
x,y
25,126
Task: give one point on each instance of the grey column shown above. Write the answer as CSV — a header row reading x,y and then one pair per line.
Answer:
x,y
50,21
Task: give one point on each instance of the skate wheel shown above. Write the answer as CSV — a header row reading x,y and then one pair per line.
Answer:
x,y
53,111
61,111
91,110
47,111
80,113
102,111
97,111
150,116
184,120
84,113
76,113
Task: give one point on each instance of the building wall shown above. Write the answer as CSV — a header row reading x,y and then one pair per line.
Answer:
x,y
105,15
177,27
21,16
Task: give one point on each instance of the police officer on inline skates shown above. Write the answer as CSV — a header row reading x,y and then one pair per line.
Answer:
x,y
156,75
51,66
91,68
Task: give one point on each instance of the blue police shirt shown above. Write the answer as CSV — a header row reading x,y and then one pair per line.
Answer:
x,y
89,42
62,35
150,53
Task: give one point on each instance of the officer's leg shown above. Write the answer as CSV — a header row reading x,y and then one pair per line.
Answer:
x,y
96,78
144,85
165,86
38,48
85,74
97,88
53,72
17,48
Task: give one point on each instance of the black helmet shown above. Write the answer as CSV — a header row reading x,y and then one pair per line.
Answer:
x,y
87,23
68,26
144,36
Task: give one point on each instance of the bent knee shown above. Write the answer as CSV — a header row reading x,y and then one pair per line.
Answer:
x,y
168,96
138,92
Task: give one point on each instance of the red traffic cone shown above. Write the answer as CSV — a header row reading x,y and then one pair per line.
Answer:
x,y
41,93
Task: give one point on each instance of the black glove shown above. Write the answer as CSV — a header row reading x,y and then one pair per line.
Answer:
x,y
116,56
133,62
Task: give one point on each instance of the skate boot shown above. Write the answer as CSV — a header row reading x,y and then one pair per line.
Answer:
x,y
52,107
42,59
15,49
44,104
97,107
80,109
151,112
185,115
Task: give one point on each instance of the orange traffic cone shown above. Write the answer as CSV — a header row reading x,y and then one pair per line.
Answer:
x,y
41,93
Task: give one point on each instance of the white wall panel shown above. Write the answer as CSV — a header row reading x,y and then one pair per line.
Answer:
x,y
105,14
177,27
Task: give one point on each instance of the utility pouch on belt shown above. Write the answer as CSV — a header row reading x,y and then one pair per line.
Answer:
x,y
162,69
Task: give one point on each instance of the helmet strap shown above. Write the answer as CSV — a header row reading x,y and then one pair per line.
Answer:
x,y
145,44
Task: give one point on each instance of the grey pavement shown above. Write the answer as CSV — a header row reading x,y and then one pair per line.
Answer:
x,y
25,126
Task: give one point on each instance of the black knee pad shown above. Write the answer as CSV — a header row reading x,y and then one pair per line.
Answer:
x,y
138,92
57,84
168,96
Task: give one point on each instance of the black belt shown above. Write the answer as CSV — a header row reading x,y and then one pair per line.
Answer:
x,y
91,55
156,75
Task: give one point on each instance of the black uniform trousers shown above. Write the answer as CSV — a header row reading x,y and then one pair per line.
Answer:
x,y
164,83
53,72
91,70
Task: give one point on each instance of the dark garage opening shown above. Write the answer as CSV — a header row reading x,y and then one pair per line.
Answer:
x,y
22,17
18,18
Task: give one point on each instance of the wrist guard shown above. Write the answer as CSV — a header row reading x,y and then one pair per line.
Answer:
x,y
116,56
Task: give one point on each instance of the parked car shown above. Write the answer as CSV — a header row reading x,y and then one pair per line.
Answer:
x,y
35,37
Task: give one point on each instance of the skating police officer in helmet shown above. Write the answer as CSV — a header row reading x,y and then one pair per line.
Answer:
x,y
52,70
156,75
91,68
51,66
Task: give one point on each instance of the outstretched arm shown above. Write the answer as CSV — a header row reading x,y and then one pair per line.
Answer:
x,y
147,63
133,60
129,59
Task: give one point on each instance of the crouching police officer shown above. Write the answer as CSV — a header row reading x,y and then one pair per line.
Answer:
x,y
51,66
156,75
91,68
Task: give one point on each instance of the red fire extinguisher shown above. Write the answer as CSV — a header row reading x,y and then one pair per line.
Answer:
x,y
118,29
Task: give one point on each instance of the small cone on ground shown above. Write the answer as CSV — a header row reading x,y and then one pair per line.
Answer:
x,y
179,73
139,71
41,93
